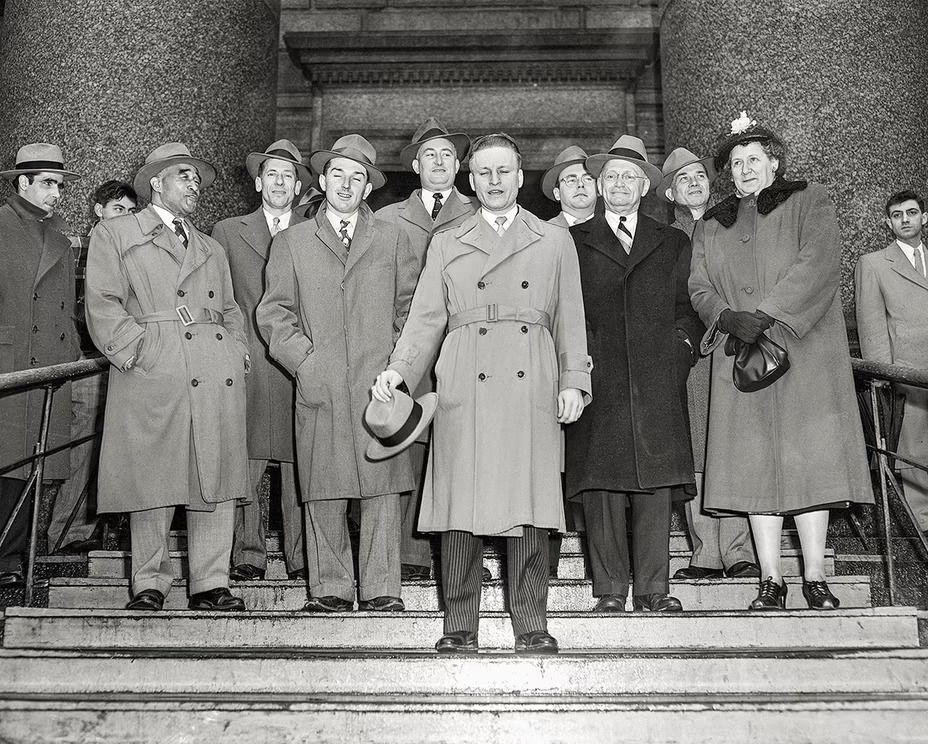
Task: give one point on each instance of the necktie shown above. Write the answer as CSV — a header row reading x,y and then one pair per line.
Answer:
x,y
179,230
436,207
500,225
919,261
275,228
343,233
624,235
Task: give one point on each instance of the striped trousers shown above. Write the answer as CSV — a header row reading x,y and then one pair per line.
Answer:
x,y
527,573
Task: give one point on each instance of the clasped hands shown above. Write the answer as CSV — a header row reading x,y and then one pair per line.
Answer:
x,y
569,401
744,325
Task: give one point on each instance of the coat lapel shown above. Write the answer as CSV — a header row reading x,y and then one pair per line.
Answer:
x,y
56,247
152,225
328,237
648,238
454,209
413,210
197,254
902,266
601,238
520,235
255,234
362,239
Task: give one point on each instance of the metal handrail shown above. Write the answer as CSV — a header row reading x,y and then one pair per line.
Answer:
x,y
50,378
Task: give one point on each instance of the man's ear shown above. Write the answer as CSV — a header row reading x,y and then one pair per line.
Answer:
x,y
415,166
647,187
557,193
322,183
521,178
470,178
98,210
669,194
367,190
155,183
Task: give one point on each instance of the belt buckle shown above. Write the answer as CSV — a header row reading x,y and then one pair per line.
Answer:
x,y
492,313
183,312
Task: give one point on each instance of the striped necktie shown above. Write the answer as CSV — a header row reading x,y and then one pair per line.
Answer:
x,y
180,232
343,234
624,235
501,225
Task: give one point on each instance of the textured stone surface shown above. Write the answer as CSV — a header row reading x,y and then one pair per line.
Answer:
x,y
835,79
109,82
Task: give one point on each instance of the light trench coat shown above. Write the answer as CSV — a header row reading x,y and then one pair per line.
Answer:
x,y
174,430
494,463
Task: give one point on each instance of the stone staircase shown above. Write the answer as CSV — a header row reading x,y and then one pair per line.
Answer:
x,y
85,670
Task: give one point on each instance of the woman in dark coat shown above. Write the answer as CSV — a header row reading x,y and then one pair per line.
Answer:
x,y
766,260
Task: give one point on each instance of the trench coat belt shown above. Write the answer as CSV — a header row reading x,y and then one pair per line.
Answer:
x,y
185,315
495,313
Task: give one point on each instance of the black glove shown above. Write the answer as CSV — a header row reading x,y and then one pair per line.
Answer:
x,y
744,325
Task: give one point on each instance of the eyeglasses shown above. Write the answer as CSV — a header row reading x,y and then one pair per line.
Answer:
x,y
611,178
586,179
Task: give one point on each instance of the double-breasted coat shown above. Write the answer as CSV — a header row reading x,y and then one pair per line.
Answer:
x,y
174,431
331,316
494,463
797,444
638,319
36,329
269,387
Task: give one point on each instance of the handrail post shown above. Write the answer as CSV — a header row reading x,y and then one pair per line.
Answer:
x,y
882,469
38,472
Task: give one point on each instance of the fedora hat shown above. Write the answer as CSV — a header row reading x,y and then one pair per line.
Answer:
x,y
566,157
630,149
678,159
743,129
282,149
397,423
356,148
431,129
170,153
39,157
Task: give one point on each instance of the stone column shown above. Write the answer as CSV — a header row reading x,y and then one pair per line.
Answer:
x,y
841,81
110,81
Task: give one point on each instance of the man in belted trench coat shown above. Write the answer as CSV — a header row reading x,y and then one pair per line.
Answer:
x,y
500,297
160,307
36,329
435,155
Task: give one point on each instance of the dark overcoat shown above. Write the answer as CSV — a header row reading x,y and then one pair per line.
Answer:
x,y
36,329
174,430
331,318
269,387
636,435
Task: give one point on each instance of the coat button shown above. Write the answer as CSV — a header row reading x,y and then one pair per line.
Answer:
x,y
61,337
524,285
749,290
520,374
745,238
109,347
219,337
229,381
482,331
35,329
481,285
194,382
62,306
188,335
524,329
33,361
180,293
481,377
211,294
35,296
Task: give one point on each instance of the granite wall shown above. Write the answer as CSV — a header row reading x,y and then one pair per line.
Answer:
x,y
840,80
110,81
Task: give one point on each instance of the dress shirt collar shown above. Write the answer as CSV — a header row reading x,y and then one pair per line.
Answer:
x,y
283,220
631,222
491,218
335,220
909,251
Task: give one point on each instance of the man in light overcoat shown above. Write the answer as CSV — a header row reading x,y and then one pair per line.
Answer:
x,y
160,307
435,155
338,292
278,175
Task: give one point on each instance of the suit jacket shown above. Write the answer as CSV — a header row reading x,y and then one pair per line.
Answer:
x,y
269,388
36,329
892,323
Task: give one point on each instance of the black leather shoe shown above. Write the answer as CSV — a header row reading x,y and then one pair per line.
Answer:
x,y
743,570
819,596
246,572
219,599
610,603
656,602
81,546
536,642
487,576
698,572
148,600
412,572
328,603
381,604
298,575
459,642
772,596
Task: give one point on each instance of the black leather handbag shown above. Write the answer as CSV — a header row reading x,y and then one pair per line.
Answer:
x,y
756,365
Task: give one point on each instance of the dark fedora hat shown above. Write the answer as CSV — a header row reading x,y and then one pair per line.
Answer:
x,y
431,129
282,149
39,157
397,423
356,148
630,149
677,160
565,158
170,153
744,129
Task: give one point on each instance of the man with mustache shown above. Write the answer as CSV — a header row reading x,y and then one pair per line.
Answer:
x,y
36,329
160,307
722,546
278,175
435,155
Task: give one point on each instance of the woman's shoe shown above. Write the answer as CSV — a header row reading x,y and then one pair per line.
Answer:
x,y
772,596
819,596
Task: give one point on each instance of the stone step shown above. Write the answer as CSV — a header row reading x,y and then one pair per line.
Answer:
x,y
563,594
312,672
117,564
399,719
38,628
